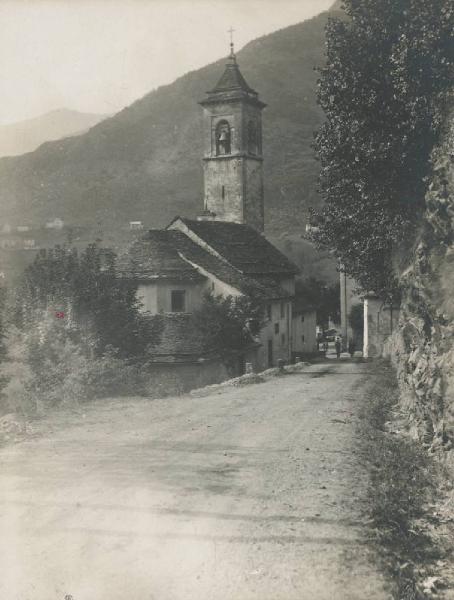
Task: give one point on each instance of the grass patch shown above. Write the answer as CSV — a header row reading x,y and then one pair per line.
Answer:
x,y
402,483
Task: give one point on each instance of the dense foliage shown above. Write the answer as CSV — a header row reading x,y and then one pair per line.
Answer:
x,y
150,152
228,325
47,365
388,72
73,331
85,294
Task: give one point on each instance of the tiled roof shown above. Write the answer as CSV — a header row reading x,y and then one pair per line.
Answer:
x,y
181,341
243,247
168,254
232,79
232,86
155,255
179,338
223,271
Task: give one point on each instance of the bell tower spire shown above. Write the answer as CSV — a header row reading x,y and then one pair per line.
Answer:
x,y
233,169
232,51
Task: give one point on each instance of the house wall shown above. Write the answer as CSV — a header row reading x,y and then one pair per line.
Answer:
x,y
156,297
177,378
280,336
304,327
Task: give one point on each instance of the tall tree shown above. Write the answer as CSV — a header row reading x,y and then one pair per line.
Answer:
x,y
388,73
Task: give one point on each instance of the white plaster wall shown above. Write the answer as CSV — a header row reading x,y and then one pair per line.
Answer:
x,y
281,349
148,295
156,297
306,328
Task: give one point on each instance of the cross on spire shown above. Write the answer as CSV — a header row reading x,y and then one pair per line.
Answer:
x,y
231,32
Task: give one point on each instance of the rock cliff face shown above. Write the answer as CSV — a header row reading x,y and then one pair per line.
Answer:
x,y
423,346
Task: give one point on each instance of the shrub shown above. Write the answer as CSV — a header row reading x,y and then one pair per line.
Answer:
x,y
87,294
401,485
49,365
227,325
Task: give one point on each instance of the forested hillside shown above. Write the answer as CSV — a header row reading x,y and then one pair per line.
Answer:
x,y
144,163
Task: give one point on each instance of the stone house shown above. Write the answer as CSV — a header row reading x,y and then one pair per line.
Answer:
x,y
223,251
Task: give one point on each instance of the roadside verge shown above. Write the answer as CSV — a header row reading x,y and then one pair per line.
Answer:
x,y
407,503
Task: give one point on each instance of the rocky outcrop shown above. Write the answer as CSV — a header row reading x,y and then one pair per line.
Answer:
x,y
423,346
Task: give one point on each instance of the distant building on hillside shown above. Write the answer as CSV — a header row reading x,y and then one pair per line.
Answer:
x,y
135,225
57,223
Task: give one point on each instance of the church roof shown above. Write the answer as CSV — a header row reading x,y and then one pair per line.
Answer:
x,y
232,79
232,86
178,340
170,254
243,247
155,256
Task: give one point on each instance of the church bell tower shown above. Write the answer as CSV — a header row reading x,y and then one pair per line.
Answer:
x,y
233,161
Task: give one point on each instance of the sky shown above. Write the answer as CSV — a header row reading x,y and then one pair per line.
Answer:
x,y
100,55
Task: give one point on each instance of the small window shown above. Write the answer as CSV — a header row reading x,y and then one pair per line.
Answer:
x,y
268,312
282,310
276,328
282,339
178,300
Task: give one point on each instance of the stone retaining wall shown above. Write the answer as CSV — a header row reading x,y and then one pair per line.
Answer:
x,y
423,346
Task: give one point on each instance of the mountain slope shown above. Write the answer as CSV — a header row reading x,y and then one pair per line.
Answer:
x,y
26,136
144,163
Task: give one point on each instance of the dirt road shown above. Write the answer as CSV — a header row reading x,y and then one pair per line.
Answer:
x,y
246,495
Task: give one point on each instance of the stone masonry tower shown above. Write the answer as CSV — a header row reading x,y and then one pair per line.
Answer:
x,y
233,171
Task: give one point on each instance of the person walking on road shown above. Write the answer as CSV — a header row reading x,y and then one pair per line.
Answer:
x,y
337,345
351,347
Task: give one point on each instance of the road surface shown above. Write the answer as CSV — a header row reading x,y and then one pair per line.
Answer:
x,y
250,494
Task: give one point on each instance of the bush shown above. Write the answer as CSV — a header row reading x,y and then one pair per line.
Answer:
x,y
87,294
401,486
227,325
49,365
